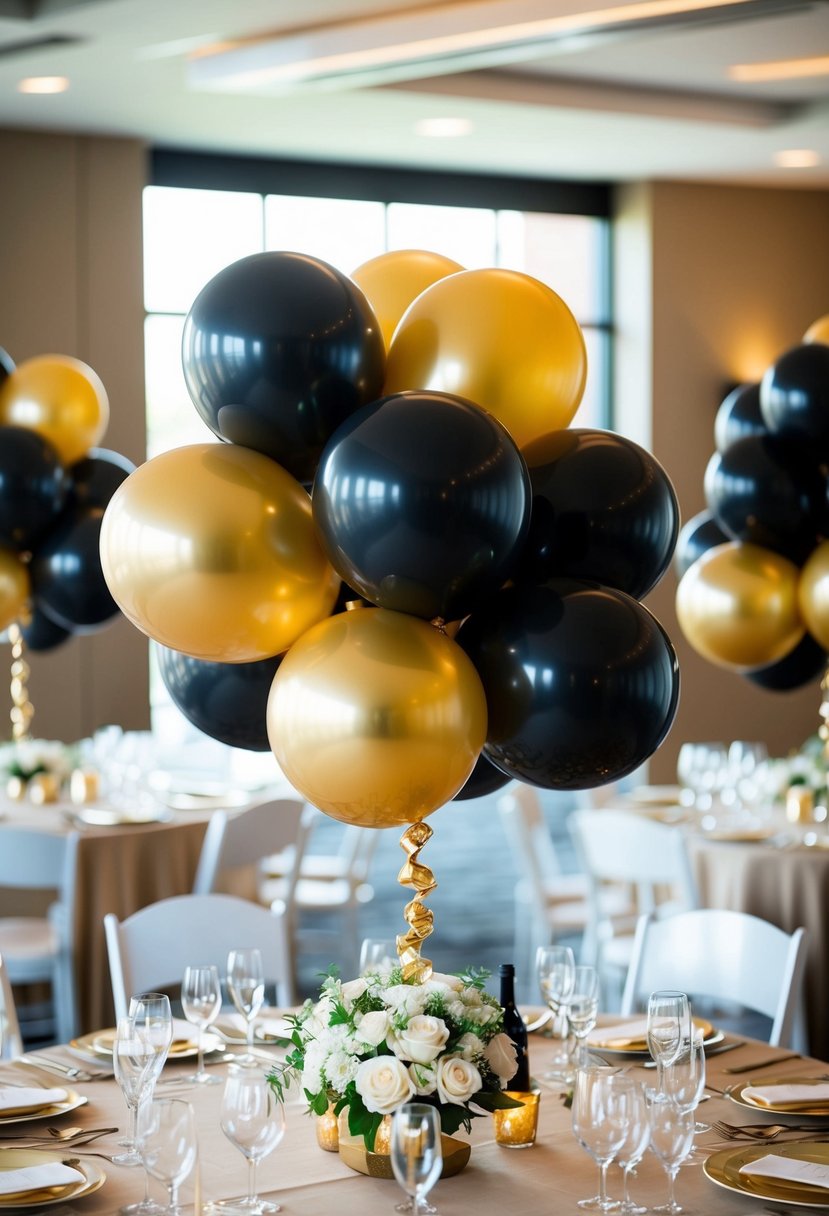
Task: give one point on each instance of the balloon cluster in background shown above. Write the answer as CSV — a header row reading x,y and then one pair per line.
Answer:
x,y
491,559
54,487
754,568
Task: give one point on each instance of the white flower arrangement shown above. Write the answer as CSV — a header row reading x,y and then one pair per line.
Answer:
x,y
372,1044
806,767
25,758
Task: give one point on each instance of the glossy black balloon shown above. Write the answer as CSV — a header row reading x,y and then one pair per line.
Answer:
x,y
227,701
42,633
422,502
739,416
67,578
6,364
33,487
484,779
794,396
97,476
770,492
278,349
801,666
581,682
603,508
697,536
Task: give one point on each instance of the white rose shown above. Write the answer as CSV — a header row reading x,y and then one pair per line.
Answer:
x,y
456,1009
471,1046
373,1027
352,991
457,1080
422,1040
446,981
406,998
383,1082
471,996
501,1056
424,1078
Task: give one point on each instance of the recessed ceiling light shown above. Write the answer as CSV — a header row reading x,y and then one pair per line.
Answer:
x,y
797,158
43,84
443,128
780,69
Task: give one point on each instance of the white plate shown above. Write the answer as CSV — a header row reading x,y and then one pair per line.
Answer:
x,y
72,1101
664,795
20,1158
108,817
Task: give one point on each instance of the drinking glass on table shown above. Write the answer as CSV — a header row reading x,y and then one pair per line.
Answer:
x,y
684,1078
153,1019
669,1020
246,985
600,1113
201,1000
416,1153
168,1145
583,1009
378,956
555,967
132,1061
637,1138
672,1138
254,1122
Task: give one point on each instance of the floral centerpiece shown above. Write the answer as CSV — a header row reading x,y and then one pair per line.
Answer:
x,y
372,1044
26,758
806,767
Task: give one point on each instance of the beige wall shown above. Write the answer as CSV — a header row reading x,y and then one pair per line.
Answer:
x,y
71,274
733,278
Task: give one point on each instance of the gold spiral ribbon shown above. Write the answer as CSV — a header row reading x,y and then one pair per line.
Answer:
x,y
22,709
419,918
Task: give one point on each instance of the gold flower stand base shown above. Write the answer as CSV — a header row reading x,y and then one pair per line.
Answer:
x,y
353,1152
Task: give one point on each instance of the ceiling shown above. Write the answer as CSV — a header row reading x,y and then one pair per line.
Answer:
x,y
615,99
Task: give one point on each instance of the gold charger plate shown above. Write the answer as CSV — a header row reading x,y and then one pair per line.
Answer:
x,y
740,835
20,1158
356,1156
109,817
639,1047
99,1043
820,1112
723,1168
72,1101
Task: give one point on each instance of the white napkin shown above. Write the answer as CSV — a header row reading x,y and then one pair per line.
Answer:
x,y
784,1095
789,1169
36,1177
622,1032
19,1097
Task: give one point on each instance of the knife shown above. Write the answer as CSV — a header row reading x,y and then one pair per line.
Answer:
x,y
793,1055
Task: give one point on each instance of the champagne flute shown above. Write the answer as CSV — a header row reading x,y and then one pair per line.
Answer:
x,y
637,1138
132,1064
167,1141
600,1108
153,1018
416,1152
254,1121
246,985
672,1137
583,1009
669,1018
377,956
555,967
201,1000
684,1079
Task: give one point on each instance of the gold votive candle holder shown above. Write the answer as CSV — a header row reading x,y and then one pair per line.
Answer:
x,y
800,804
84,786
16,789
516,1127
328,1131
43,788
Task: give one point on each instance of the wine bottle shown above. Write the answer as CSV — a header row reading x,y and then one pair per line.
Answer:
x,y
515,1028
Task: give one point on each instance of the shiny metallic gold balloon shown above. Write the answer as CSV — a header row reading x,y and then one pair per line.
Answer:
x,y
393,280
59,397
737,605
376,717
818,331
211,550
15,587
813,594
499,338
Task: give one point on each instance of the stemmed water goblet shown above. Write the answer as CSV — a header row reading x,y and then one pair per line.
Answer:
x,y
152,1017
637,1138
555,967
600,1106
416,1153
377,956
684,1077
168,1146
201,1000
669,1020
672,1138
583,1009
254,1121
246,986
132,1063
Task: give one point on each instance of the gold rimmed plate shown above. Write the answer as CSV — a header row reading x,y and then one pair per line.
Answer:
x,y
21,1158
723,1168
819,1112
639,1046
110,817
100,1042
71,1102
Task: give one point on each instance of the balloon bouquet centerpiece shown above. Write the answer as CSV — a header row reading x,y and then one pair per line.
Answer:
x,y
491,559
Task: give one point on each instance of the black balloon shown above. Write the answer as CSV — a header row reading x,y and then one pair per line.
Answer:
x,y
224,700
67,578
278,349
603,509
422,502
581,682
484,779
802,665
97,476
42,633
6,365
794,396
768,491
33,487
697,536
739,416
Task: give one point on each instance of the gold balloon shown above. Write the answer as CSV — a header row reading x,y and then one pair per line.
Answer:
x,y
818,331
813,594
499,338
393,280
211,550
737,606
14,588
60,398
376,717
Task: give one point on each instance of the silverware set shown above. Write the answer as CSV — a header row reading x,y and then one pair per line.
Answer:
x,y
70,1072
763,1132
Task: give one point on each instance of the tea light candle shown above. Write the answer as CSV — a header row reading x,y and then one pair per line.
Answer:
x,y
516,1127
44,787
328,1134
800,804
84,785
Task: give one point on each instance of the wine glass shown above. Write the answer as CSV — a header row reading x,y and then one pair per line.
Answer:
x,y
669,1019
637,1138
168,1146
377,956
600,1124
246,985
416,1152
132,1064
684,1077
672,1137
254,1121
201,1000
583,1008
555,967
153,1018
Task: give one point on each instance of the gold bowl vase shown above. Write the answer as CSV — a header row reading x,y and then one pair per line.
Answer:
x,y
353,1152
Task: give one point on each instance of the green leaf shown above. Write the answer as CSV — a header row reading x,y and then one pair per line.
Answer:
x,y
496,1101
452,1117
339,1016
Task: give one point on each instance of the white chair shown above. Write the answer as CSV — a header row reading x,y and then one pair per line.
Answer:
x,y
11,1043
249,838
38,949
652,858
722,956
150,949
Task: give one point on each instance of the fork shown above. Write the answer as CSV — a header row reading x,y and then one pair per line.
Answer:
x,y
58,1068
758,1131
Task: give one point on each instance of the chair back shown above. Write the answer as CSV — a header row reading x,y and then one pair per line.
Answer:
x,y
39,861
722,955
150,949
246,838
11,1043
529,840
